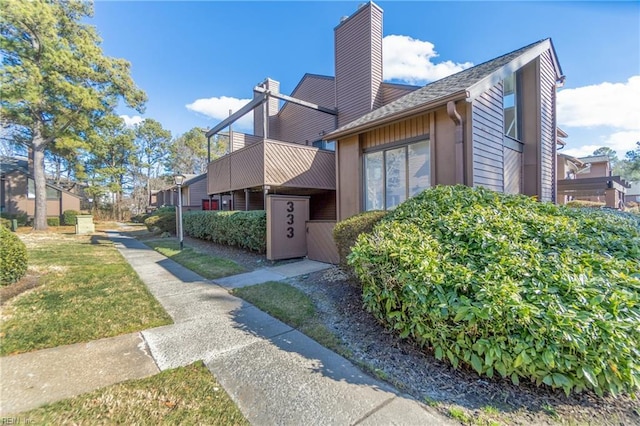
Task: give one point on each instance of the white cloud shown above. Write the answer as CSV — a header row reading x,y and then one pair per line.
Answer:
x,y
605,114
606,104
218,108
411,60
131,121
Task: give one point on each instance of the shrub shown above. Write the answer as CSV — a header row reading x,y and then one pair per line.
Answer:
x,y
139,218
69,217
347,231
5,222
22,218
162,220
13,257
505,284
244,229
53,221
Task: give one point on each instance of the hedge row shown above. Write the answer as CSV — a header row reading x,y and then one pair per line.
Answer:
x,y
13,257
247,230
510,286
162,220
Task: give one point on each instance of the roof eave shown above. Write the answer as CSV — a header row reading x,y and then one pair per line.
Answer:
x,y
501,73
460,95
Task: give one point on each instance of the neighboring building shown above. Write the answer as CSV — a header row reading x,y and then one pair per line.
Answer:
x,y
491,125
18,191
633,193
590,179
194,196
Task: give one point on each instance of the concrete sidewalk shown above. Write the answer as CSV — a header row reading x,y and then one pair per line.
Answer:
x,y
274,373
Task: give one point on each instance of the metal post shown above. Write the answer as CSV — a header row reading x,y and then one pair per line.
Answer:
x,y
180,216
179,180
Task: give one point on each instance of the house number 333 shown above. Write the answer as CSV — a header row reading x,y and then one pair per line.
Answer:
x,y
290,210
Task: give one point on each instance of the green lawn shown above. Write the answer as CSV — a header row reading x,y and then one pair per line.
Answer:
x,y
87,291
187,395
293,307
210,267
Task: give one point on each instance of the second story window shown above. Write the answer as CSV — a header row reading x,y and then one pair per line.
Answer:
x,y
510,106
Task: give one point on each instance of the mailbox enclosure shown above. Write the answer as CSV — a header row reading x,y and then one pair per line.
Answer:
x,y
287,218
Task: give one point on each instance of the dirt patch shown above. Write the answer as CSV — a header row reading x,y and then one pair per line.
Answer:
x,y
10,291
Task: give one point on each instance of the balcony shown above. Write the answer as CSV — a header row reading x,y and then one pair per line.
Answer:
x,y
275,164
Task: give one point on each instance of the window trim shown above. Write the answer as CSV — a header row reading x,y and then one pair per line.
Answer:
x,y
388,147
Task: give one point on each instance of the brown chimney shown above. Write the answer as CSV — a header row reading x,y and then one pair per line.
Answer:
x,y
358,62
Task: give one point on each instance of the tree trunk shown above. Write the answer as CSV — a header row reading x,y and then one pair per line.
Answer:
x,y
40,217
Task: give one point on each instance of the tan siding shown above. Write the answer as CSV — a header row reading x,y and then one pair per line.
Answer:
x,y
320,244
297,166
530,125
410,128
488,133
547,127
247,167
391,92
298,124
512,171
358,63
69,202
349,173
196,193
445,155
218,176
241,140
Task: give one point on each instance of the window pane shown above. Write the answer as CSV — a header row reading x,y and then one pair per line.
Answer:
x,y
396,176
419,167
509,104
373,181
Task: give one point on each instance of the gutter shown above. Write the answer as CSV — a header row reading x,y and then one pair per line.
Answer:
x,y
459,141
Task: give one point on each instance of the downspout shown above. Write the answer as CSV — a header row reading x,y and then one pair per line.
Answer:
x,y
459,141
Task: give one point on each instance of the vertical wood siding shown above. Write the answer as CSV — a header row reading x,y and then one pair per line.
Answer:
x,y
197,193
298,124
407,129
512,171
391,92
547,127
358,63
487,139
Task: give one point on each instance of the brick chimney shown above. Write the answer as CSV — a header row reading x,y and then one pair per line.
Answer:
x,y
358,62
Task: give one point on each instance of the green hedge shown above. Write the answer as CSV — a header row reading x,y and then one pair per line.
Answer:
x,y
13,257
346,233
53,221
246,230
510,286
69,217
162,220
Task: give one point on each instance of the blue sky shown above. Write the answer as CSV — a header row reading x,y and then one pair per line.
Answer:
x,y
196,60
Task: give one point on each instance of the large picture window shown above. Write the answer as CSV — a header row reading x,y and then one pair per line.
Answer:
x,y
52,194
510,106
393,175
